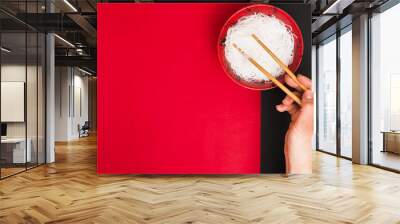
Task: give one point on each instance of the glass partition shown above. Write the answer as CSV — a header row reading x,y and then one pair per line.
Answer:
x,y
23,91
34,68
32,95
41,107
15,152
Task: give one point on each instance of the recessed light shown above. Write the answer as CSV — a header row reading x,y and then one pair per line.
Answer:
x,y
84,71
337,7
64,40
5,50
70,5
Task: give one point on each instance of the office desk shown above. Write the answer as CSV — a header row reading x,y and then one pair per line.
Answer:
x,y
13,150
391,141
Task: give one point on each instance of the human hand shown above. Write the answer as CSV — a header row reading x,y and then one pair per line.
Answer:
x,y
298,139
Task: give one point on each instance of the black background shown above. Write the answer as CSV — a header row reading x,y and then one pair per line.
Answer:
x,y
273,123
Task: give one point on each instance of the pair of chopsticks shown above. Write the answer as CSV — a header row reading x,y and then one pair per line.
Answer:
x,y
268,75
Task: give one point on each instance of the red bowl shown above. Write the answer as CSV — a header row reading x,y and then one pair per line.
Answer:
x,y
270,11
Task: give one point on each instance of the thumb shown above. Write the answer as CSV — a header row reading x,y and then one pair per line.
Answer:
x,y
306,115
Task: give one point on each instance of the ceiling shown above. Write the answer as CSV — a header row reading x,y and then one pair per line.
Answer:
x,y
76,22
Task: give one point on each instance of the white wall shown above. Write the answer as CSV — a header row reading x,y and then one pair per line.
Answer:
x,y
62,82
83,83
9,73
71,102
16,73
12,101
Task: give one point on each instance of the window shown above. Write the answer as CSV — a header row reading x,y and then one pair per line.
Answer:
x,y
394,102
346,92
327,96
385,89
314,87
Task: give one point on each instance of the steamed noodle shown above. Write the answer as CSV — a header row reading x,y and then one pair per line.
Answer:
x,y
273,32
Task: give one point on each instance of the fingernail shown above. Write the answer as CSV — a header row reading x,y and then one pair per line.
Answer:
x,y
309,95
286,100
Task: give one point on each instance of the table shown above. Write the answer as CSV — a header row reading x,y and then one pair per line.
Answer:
x,y
391,141
168,108
13,150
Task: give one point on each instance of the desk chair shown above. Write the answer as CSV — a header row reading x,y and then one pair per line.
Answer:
x,y
84,130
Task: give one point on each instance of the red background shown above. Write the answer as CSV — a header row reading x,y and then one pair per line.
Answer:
x,y
165,104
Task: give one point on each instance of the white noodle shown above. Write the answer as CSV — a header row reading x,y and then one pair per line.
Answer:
x,y
273,32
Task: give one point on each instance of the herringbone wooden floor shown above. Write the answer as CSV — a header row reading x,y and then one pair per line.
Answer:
x,y
70,191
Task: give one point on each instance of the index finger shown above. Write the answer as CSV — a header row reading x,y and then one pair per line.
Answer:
x,y
302,79
305,81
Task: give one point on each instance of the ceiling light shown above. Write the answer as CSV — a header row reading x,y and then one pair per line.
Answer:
x,y
5,50
337,7
70,5
84,71
329,9
65,41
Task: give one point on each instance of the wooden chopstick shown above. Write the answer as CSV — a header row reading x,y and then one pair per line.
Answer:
x,y
268,75
279,62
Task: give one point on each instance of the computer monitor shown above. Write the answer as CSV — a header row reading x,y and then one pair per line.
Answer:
x,y
3,129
